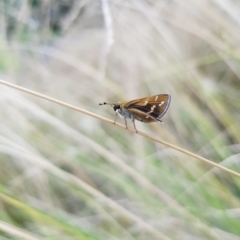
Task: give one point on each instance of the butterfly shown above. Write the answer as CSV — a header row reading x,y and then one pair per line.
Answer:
x,y
148,109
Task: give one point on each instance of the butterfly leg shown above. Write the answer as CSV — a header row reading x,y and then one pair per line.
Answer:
x,y
125,119
115,118
133,120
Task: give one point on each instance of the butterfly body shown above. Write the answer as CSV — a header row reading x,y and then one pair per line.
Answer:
x,y
149,109
125,113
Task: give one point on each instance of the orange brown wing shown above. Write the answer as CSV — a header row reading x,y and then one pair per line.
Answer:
x,y
151,108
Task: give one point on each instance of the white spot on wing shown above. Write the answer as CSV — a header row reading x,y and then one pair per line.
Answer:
x,y
160,104
156,98
152,108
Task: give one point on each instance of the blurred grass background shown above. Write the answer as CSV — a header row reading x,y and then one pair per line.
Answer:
x,y
65,175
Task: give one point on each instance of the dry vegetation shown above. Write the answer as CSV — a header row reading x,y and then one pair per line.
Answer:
x,y
65,175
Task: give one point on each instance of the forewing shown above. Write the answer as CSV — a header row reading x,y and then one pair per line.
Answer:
x,y
153,107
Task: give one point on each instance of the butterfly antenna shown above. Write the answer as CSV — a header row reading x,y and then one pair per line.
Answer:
x,y
104,103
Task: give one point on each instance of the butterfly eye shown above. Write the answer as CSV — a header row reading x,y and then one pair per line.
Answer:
x,y
115,107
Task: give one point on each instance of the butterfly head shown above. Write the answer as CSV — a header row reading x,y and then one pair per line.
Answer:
x,y
116,107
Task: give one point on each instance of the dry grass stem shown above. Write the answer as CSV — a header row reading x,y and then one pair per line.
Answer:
x,y
122,126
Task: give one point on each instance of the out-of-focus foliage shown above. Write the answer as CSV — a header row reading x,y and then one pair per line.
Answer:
x,y
65,175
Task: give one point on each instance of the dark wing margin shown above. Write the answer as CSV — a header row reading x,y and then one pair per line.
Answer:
x,y
165,108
